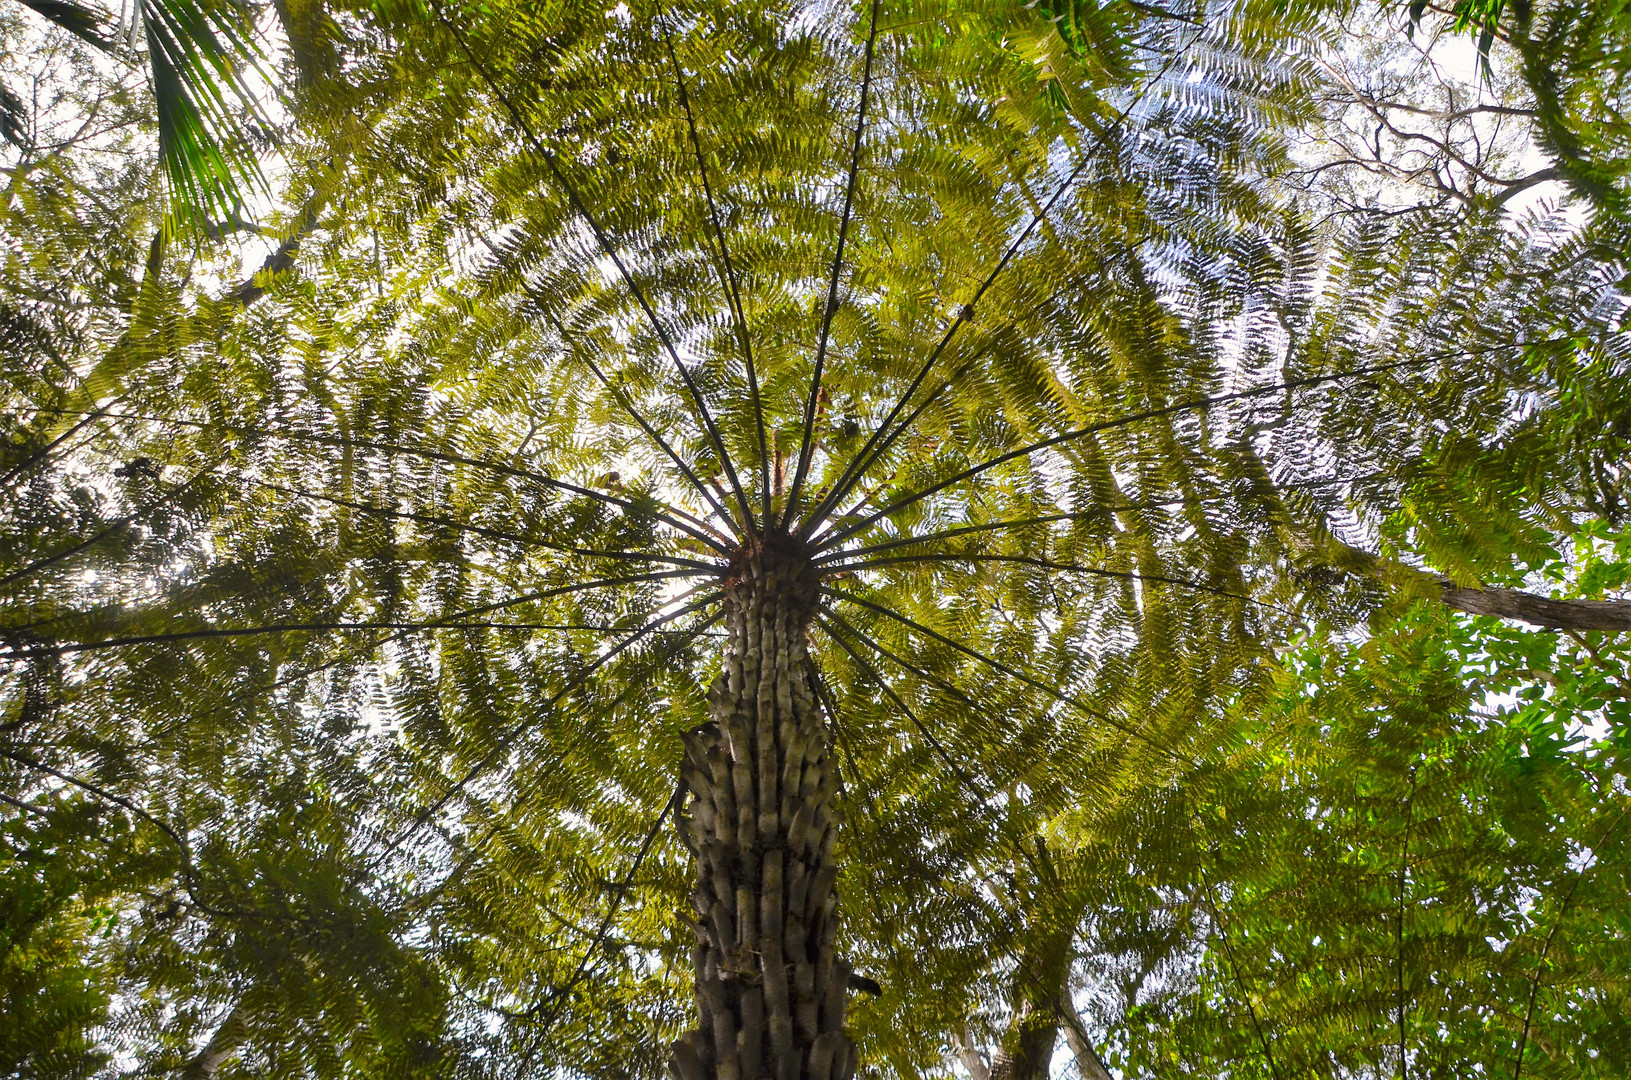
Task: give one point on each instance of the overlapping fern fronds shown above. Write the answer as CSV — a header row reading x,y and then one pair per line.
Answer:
x,y
411,570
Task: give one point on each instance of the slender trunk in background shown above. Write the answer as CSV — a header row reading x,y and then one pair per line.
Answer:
x,y
770,991
1035,996
222,1045
1040,1001
1081,1047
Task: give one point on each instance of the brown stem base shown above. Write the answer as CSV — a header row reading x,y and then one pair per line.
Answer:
x,y
770,990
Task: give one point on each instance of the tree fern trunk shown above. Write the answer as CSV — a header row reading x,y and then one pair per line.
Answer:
x,y
770,991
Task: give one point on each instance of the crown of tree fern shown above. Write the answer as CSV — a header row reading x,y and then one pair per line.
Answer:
x,y
734,539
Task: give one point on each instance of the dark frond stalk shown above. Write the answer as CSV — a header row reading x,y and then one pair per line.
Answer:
x,y
39,454
884,436
871,451
1039,983
839,535
1398,926
709,536
962,530
610,251
102,793
806,440
727,272
640,420
243,295
770,990
829,619
1546,948
111,529
494,534
189,877
999,666
508,470
864,461
1079,515
1234,971
827,625
453,620
632,684
401,628
457,788
560,995
1044,564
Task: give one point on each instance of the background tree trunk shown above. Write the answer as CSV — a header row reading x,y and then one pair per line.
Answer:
x,y
1039,991
222,1045
770,991
1036,996
1081,1046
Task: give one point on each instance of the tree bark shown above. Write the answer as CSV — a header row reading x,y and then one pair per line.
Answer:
x,y
770,990
228,1037
1087,1058
1526,607
971,1057
1316,547
1541,610
1026,1052
1036,996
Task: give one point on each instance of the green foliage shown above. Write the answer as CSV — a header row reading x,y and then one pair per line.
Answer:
x,y
55,888
371,602
197,55
1395,867
1482,17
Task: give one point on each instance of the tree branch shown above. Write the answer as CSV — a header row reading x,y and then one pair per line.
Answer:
x,y
1087,1058
1541,611
232,1033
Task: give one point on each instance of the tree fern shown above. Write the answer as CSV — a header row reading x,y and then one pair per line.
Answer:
x,y
650,430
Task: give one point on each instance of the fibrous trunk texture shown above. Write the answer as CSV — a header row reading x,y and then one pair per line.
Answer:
x,y
770,991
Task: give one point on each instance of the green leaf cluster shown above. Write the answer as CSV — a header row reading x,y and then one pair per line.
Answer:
x,y
367,598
